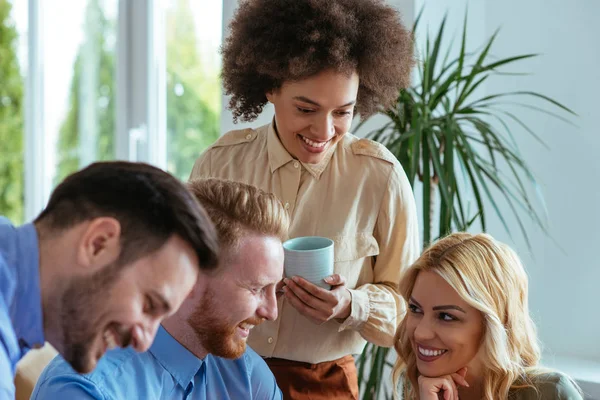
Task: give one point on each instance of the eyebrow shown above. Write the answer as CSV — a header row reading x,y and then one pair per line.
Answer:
x,y
412,299
448,307
164,304
309,101
264,283
439,308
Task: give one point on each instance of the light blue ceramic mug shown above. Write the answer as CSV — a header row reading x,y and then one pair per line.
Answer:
x,y
310,257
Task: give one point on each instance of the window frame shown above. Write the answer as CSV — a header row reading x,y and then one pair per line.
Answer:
x,y
140,133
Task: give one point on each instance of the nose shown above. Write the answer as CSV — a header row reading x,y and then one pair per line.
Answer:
x,y
268,308
323,127
424,330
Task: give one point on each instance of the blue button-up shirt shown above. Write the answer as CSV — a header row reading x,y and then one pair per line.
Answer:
x,y
166,371
21,324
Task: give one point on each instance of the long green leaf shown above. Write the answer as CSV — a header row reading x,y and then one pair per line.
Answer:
x,y
472,89
427,183
506,193
450,177
483,184
461,55
526,127
437,168
475,70
465,162
524,93
432,58
505,61
416,23
534,108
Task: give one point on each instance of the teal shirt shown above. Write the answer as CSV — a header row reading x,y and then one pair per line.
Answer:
x,y
548,386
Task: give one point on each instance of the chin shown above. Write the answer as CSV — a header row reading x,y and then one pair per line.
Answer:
x,y
236,349
310,158
88,368
84,365
431,371
83,358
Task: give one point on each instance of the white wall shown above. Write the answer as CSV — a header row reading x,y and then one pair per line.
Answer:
x,y
564,284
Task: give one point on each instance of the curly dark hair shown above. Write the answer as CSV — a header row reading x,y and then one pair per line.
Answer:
x,y
273,41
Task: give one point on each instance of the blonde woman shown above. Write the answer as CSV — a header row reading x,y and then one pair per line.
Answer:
x,y
468,333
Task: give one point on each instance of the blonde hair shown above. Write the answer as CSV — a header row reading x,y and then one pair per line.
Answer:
x,y
237,209
489,276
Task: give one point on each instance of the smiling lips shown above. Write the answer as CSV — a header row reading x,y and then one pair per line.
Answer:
x,y
110,339
313,146
429,354
245,329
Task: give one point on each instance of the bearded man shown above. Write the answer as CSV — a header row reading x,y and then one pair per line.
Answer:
x,y
200,352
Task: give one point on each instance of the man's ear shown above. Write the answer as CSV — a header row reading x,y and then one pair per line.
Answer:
x,y
100,244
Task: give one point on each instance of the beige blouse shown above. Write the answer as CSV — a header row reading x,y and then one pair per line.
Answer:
x,y
359,197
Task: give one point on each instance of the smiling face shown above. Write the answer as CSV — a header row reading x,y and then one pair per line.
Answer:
x,y
444,330
239,298
123,305
313,114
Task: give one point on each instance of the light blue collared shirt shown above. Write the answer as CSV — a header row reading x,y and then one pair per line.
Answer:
x,y
21,324
166,371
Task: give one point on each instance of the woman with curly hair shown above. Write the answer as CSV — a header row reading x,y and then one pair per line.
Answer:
x,y
319,62
468,333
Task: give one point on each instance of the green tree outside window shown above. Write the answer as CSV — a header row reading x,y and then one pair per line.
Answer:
x,y
11,119
193,95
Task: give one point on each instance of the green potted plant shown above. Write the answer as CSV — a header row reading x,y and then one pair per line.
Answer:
x,y
457,145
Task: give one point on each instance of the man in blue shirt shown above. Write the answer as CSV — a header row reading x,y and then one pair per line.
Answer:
x,y
200,352
117,249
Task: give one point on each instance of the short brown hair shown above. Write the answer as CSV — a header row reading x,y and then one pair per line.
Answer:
x,y
274,41
150,205
237,209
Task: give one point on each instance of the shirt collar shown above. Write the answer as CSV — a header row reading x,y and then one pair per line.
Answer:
x,y
28,305
317,169
175,358
279,156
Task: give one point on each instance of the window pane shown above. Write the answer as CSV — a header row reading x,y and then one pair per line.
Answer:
x,y
13,62
79,84
193,37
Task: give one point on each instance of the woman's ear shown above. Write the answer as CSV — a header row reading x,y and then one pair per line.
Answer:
x,y
270,96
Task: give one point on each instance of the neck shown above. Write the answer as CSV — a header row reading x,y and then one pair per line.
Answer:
x,y
474,391
181,331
